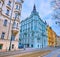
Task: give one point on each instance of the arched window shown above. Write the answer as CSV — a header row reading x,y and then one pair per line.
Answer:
x,y
17,25
17,7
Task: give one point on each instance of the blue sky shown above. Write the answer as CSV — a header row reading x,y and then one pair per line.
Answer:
x,y
45,11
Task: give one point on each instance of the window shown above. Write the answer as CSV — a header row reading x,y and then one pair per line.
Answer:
x,y
12,46
17,7
38,38
7,12
38,46
12,37
1,45
17,25
14,24
9,3
27,45
5,22
31,45
16,15
2,36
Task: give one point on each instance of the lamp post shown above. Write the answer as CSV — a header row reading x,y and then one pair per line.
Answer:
x,y
10,25
13,26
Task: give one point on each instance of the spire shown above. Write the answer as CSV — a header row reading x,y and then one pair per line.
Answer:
x,y
34,12
34,8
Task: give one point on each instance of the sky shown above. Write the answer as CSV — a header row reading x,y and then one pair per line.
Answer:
x,y
45,12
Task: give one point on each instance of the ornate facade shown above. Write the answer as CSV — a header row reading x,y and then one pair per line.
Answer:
x,y
33,31
51,37
10,11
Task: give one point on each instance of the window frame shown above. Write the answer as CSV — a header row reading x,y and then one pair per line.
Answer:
x,y
7,12
2,35
5,22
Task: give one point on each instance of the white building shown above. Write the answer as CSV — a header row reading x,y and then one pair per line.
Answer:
x,y
10,11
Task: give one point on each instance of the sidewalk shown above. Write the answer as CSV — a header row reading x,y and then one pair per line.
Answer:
x,y
55,53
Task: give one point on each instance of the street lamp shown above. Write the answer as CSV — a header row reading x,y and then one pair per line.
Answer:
x,y
12,31
10,25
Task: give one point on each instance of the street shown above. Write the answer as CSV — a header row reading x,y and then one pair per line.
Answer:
x,y
28,52
55,53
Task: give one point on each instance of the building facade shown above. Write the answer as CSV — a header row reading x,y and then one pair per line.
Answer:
x,y
33,31
51,37
58,41
10,11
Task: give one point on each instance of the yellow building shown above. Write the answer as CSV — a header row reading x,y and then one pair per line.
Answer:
x,y
10,11
58,41
51,37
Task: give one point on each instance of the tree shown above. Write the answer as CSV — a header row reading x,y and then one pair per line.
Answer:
x,y
56,10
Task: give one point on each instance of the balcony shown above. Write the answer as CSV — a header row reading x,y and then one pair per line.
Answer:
x,y
15,30
8,6
17,10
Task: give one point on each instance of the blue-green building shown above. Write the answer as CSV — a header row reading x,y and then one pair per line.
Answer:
x,y
33,31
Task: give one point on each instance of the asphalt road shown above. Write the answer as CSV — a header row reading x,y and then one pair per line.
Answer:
x,y
55,53
21,52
